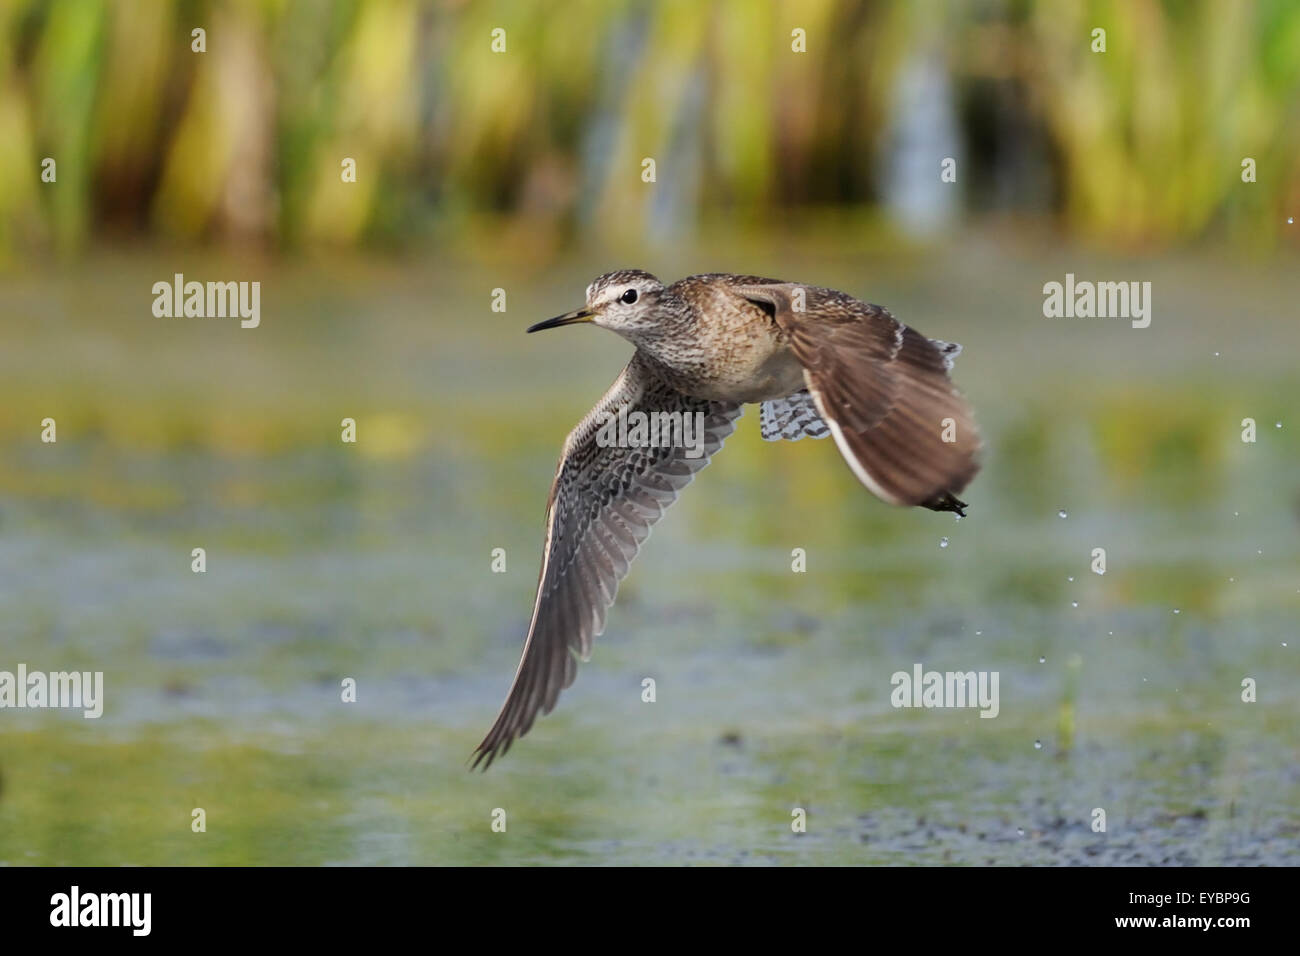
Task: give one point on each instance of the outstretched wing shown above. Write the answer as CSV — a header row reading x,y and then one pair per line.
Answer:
x,y
603,502
884,391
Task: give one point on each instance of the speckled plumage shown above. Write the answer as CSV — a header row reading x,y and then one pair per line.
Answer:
x,y
820,362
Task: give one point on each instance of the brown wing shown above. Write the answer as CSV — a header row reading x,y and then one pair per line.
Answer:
x,y
884,391
603,502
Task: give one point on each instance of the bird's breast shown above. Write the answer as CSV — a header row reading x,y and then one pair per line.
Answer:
x,y
735,361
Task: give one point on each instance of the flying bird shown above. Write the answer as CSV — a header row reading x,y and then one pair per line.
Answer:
x,y
818,362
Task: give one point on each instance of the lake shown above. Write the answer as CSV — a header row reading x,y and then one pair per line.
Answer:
x,y
1120,692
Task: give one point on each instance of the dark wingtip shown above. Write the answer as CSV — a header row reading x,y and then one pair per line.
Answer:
x,y
946,501
488,751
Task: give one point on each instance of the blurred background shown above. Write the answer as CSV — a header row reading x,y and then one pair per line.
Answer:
x,y
542,143
522,169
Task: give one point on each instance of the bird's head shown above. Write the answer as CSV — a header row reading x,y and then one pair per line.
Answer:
x,y
623,302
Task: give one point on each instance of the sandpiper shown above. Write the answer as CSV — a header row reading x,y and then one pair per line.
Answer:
x,y
817,361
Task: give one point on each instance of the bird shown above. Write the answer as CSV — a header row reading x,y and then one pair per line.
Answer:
x,y
817,361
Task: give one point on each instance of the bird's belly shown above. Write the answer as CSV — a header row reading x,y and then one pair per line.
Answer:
x,y
756,377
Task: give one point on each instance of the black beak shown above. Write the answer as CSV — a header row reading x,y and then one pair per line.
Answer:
x,y
569,318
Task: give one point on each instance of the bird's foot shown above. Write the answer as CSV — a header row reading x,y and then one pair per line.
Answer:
x,y
946,502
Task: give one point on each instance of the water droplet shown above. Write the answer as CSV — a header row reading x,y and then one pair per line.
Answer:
x,y
1111,633
1277,424
1071,578
1232,580
1038,745
1284,643
978,633
956,517
1020,830
1236,514
943,542
1177,611
1074,604
1216,354
1062,514
1290,220
1042,660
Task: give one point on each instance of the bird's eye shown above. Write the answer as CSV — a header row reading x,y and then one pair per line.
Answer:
x,y
629,296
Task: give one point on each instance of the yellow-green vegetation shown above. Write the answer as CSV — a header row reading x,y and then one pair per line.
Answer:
x,y
543,141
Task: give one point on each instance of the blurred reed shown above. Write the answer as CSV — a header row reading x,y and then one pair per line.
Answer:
x,y
243,143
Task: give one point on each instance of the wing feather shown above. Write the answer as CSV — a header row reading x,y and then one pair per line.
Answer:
x,y
602,505
884,391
